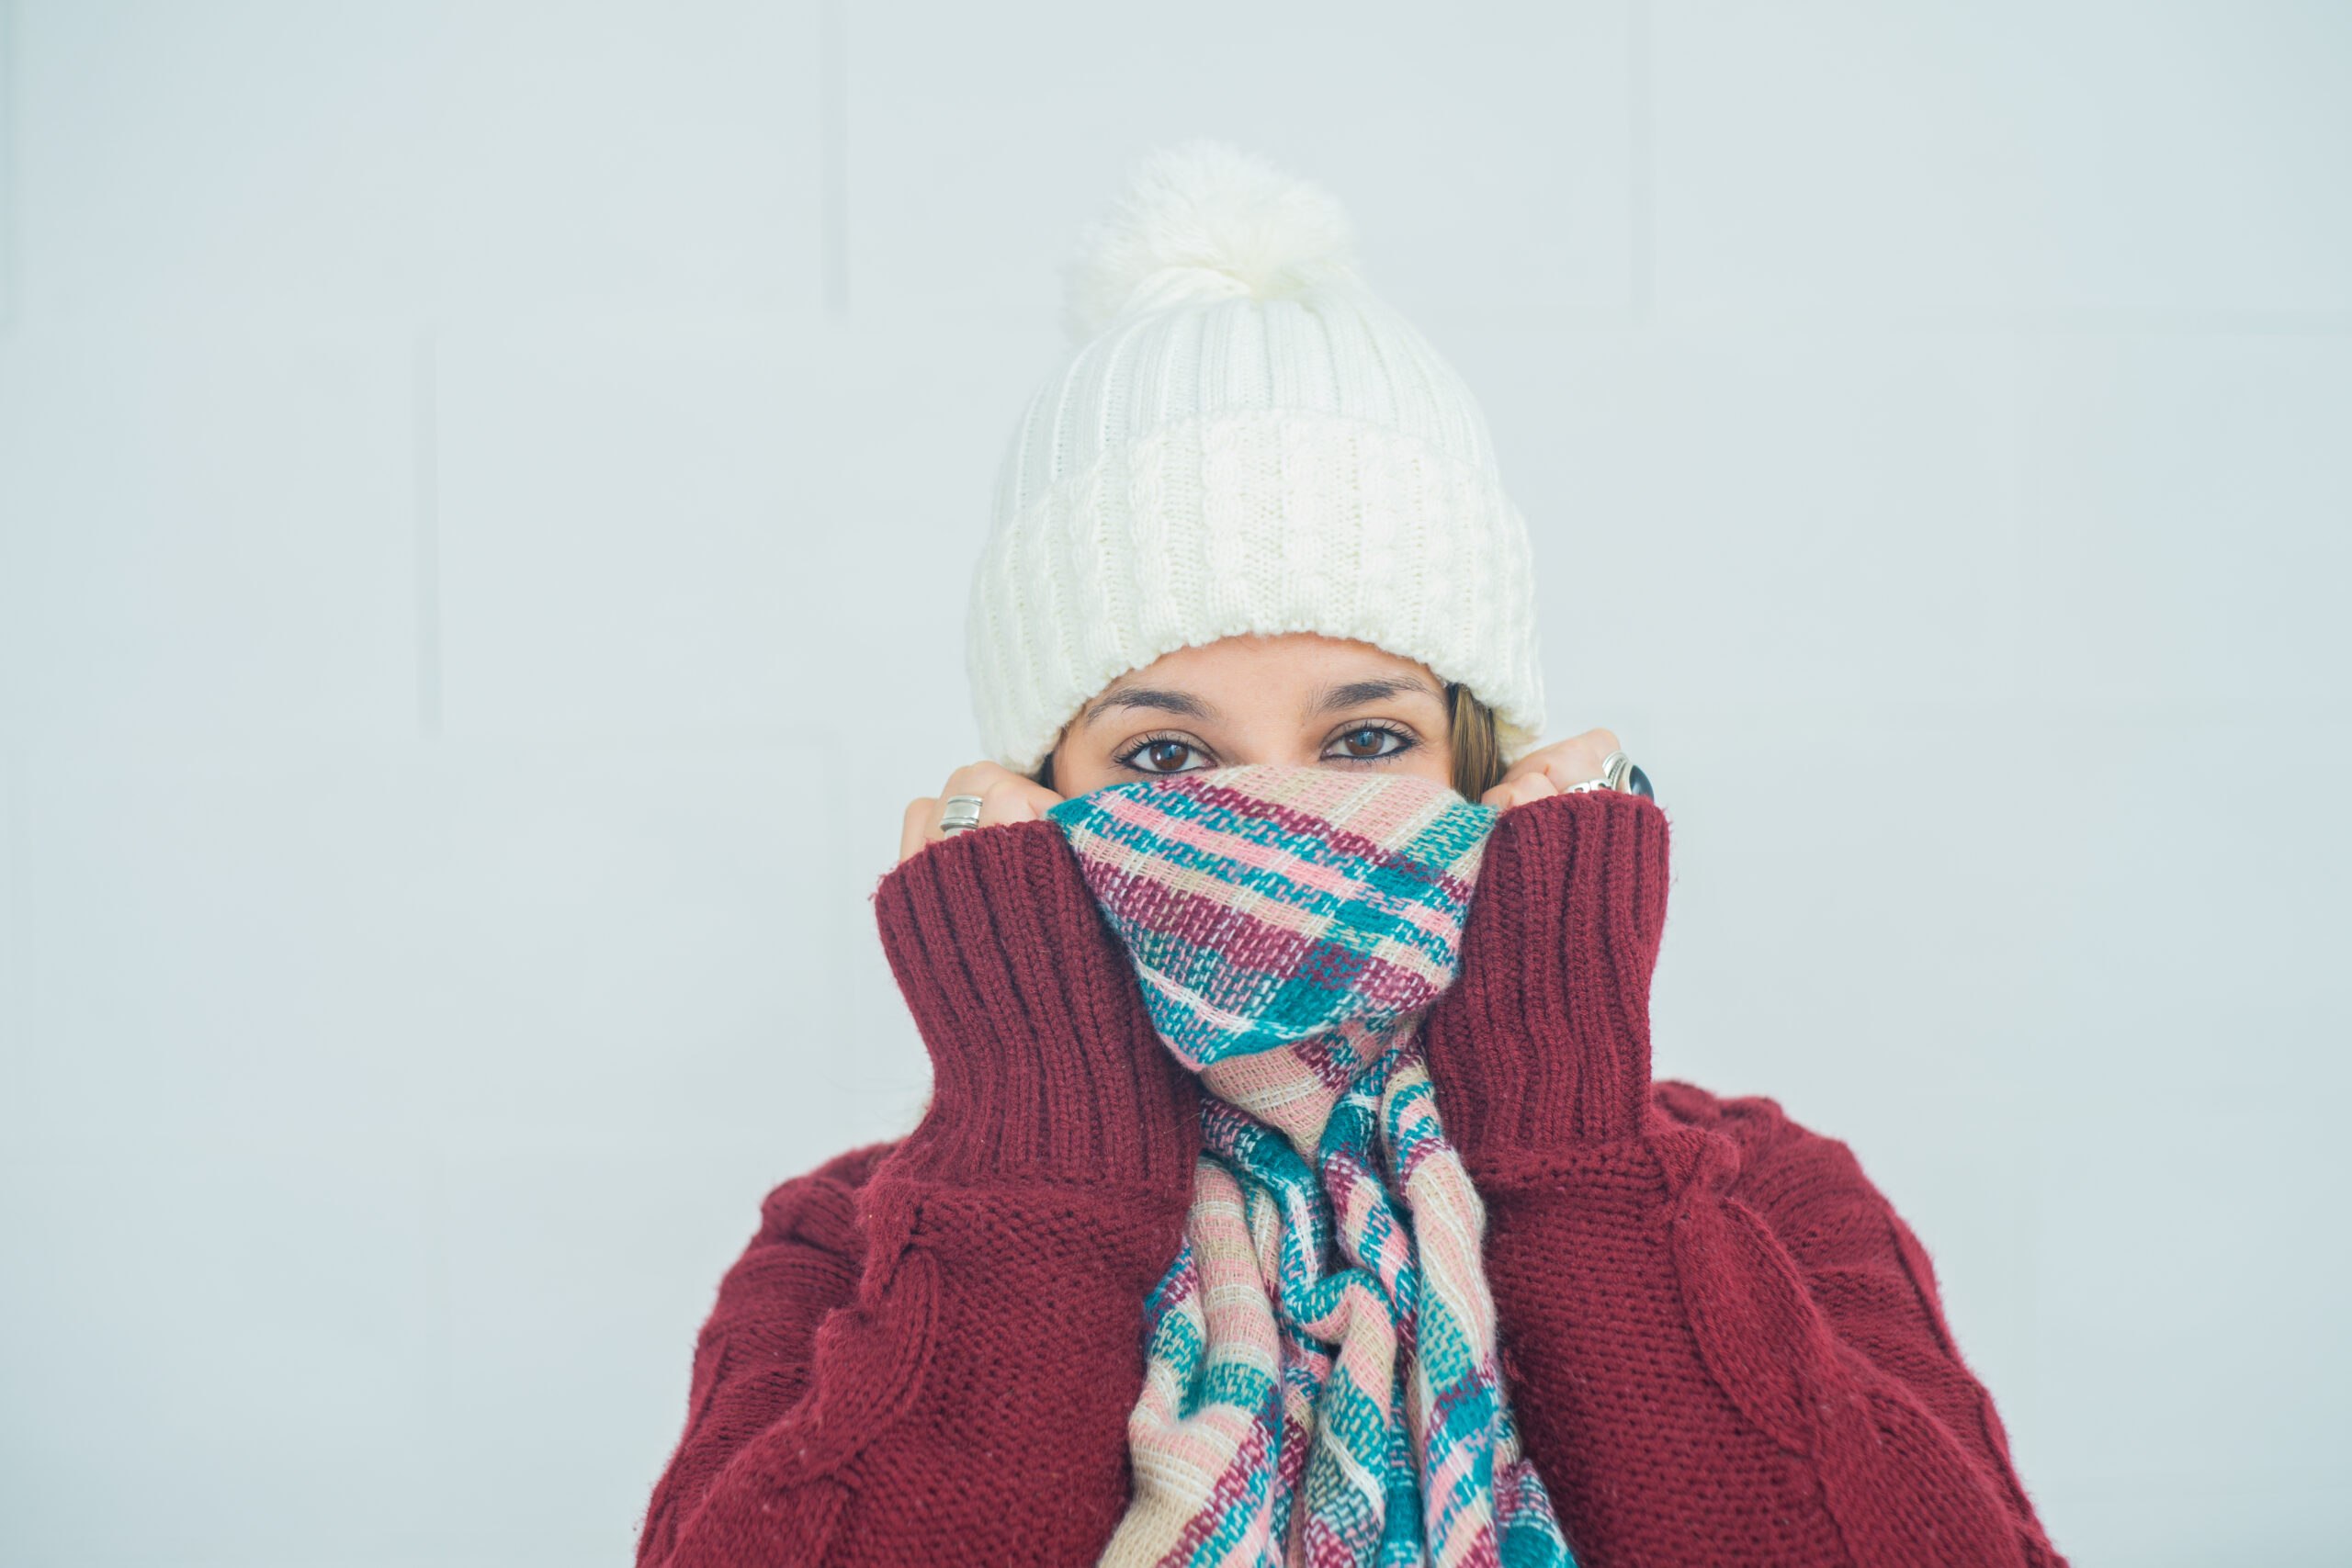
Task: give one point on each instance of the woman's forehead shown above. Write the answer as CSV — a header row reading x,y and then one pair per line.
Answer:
x,y
1304,658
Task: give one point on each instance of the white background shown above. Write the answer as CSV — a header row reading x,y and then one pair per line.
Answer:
x,y
486,495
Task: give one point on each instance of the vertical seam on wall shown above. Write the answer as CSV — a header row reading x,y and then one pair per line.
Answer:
x,y
12,883
833,139
11,165
424,414
1641,204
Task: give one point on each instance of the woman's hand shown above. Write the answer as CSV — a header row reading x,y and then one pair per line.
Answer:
x,y
1552,769
1005,796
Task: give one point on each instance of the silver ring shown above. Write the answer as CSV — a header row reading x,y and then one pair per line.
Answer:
x,y
1617,772
959,812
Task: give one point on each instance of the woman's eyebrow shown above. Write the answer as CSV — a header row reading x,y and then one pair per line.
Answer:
x,y
1351,694
1165,698
1355,693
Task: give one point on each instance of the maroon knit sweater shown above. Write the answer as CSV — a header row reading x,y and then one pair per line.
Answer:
x,y
1722,1344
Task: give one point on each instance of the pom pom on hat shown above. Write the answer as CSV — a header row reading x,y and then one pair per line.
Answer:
x,y
1204,221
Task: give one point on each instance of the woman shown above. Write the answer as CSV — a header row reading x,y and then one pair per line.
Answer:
x,y
1355,1229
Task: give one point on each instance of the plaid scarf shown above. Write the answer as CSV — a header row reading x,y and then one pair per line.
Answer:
x,y
1321,1388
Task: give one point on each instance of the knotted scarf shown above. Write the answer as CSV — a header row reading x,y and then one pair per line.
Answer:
x,y
1320,1385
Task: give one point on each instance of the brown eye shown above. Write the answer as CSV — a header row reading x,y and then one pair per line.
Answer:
x,y
1371,740
1159,754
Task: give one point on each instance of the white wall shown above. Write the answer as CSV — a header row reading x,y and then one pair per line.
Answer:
x,y
486,493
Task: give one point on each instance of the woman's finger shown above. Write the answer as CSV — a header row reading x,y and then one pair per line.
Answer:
x,y
1005,796
920,814
1518,790
1554,768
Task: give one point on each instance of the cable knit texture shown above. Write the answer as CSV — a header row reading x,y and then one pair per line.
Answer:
x,y
1722,1344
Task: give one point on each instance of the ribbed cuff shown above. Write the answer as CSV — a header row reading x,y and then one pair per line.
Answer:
x,y
1544,1040
1044,1059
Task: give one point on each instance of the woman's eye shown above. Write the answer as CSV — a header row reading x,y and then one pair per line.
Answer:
x,y
1372,740
1159,756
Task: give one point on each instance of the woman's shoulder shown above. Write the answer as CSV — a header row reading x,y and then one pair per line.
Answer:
x,y
819,1205
1687,1104
1775,1149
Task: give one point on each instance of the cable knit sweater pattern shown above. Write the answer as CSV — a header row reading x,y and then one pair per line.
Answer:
x,y
1725,1346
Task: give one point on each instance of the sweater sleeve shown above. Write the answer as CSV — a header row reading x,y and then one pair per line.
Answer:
x,y
938,1365
751,1360
1722,1344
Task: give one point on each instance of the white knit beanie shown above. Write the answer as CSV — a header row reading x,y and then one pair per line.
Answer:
x,y
1246,440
